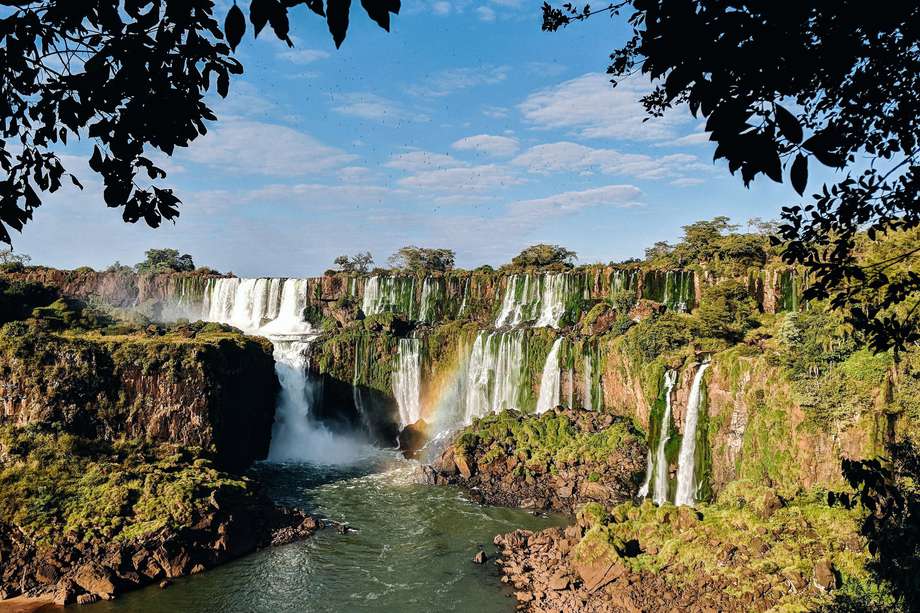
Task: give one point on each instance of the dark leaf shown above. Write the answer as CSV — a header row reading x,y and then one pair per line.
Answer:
x,y
799,174
337,18
788,125
235,26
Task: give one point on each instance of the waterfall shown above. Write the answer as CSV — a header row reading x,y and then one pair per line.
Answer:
x,y
661,462
549,382
649,467
390,293
589,387
494,374
407,381
686,465
540,299
371,295
552,300
274,308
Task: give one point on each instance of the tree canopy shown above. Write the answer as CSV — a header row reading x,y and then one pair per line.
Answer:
x,y
422,260
542,255
132,76
165,260
786,86
359,263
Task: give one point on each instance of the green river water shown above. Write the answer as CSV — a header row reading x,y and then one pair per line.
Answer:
x,y
411,552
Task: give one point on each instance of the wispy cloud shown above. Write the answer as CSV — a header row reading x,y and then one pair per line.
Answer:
x,y
571,157
461,179
485,14
302,56
372,107
259,148
451,80
618,196
488,144
591,107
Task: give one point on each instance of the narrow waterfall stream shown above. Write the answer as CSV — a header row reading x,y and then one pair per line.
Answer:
x,y
549,382
660,493
686,465
407,381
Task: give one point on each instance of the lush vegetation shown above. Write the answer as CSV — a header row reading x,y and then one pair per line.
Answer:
x,y
751,541
545,441
421,260
54,484
165,260
543,255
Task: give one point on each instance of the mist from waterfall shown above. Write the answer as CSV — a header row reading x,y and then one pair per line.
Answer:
x,y
274,308
686,464
549,382
660,494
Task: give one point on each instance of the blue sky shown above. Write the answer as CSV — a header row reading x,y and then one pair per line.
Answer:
x,y
465,127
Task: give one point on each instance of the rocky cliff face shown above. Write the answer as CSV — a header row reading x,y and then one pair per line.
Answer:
x,y
213,391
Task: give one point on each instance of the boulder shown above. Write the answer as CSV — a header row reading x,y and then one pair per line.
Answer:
x,y
595,574
412,438
94,580
480,558
825,577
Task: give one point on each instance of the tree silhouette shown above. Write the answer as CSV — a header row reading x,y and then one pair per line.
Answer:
x,y
784,86
132,76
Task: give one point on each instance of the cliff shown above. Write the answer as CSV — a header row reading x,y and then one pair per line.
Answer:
x,y
202,386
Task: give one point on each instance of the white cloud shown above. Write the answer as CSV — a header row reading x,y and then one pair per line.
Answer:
x,y
592,108
414,161
485,14
461,179
696,138
687,182
619,196
375,108
302,56
441,8
488,144
572,157
354,174
252,147
495,112
454,79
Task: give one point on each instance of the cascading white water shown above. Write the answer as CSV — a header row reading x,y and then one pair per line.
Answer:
x,y
686,464
549,382
589,387
660,495
274,308
407,381
552,300
534,298
494,374
371,295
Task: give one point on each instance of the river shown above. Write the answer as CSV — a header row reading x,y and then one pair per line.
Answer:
x,y
411,550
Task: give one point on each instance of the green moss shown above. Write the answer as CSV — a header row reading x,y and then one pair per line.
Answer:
x,y
545,440
735,539
54,484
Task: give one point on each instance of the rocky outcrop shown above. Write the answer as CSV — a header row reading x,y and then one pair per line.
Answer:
x,y
746,555
507,460
214,389
78,571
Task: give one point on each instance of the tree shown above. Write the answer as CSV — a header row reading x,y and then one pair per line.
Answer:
x,y
11,261
539,256
784,86
131,76
359,263
726,311
165,260
422,260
